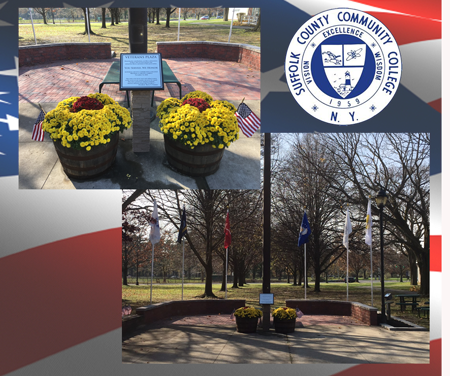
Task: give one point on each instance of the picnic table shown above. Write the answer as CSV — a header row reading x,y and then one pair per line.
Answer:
x,y
425,309
408,300
113,77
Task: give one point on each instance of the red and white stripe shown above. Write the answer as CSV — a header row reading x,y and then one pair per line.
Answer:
x,y
248,125
38,133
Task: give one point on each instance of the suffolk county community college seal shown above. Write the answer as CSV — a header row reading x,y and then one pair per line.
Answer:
x,y
343,66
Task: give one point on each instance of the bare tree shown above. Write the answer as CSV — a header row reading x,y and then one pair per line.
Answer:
x,y
43,13
299,187
169,11
400,163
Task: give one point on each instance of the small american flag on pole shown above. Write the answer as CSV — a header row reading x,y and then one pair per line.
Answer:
x,y
247,120
38,133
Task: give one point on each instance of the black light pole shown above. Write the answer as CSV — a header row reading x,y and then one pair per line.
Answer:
x,y
266,226
137,30
381,200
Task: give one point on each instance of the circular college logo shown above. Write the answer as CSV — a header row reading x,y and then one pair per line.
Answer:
x,y
343,66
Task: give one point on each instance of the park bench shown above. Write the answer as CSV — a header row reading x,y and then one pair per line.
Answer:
x,y
113,77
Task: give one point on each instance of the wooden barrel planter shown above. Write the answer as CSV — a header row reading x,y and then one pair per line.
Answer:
x,y
82,164
284,326
246,325
203,160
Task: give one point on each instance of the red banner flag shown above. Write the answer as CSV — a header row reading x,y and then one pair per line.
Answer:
x,y
227,232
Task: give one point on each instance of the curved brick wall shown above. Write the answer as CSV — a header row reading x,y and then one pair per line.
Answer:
x,y
44,53
361,312
241,53
151,313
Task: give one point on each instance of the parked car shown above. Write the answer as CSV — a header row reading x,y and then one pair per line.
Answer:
x,y
219,17
350,279
205,18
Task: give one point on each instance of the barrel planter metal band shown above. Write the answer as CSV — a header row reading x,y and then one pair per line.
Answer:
x,y
82,164
203,160
246,325
284,326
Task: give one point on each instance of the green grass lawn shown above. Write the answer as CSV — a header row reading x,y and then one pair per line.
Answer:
x,y
118,35
138,296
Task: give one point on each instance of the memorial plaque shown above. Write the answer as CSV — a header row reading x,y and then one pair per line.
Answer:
x,y
141,72
266,299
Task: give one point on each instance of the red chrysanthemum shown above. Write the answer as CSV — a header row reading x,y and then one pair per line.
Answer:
x,y
86,103
200,103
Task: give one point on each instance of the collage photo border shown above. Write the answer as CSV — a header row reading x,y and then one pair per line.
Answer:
x,y
37,225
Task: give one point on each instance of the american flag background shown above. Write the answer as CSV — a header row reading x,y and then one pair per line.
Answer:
x,y
247,120
60,252
38,133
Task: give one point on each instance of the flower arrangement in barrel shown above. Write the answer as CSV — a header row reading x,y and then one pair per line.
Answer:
x,y
248,312
284,313
83,122
197,119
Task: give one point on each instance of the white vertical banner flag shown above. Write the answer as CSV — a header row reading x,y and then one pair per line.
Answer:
x,y
369,223
154,238
347,232
347,229
368,241
155,235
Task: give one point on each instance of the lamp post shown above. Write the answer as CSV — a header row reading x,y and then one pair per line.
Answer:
x,y
381,200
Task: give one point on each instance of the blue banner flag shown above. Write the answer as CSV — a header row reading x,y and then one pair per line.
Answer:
x,y
305,230
183,227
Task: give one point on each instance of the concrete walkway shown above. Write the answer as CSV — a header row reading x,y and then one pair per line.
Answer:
x,y
39,166
317,339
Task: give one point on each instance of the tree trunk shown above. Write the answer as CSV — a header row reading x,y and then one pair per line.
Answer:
x,y
224,275
125,270
225,14
242,274
317,280
412,268
424,267
157,16
86,23
111,12
137,274
235,274
168,17
103,18
208,282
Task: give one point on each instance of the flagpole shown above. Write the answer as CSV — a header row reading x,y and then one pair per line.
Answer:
x,y
32,25
87,18
305,268
231,26
347,274
151,280
226,272
179,21
371,275
182,274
